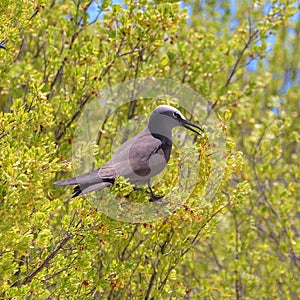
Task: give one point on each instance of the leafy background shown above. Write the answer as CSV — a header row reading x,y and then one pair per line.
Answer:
x,y
243,57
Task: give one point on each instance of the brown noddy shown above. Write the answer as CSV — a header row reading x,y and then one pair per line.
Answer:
x,y
138,159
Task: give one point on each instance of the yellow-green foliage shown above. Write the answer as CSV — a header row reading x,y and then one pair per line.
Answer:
x,y
243,244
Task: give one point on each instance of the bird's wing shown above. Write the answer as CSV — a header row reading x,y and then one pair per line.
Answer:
x,y
140,158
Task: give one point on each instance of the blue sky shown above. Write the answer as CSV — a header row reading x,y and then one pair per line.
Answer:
x,y
252,67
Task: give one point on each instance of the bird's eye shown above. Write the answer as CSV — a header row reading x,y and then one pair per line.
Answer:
x,y
176,115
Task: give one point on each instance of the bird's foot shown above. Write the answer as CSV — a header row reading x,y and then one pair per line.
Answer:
x,y
155,197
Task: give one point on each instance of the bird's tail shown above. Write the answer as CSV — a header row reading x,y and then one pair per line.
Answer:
x,y
81,190
88,178
86,183
68,181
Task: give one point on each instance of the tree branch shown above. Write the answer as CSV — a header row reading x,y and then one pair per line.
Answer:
x,y
151,282
52,254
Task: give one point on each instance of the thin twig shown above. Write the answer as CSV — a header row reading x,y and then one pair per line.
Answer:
x,y
151,282
52,254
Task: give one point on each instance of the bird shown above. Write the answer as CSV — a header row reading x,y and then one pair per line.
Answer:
x,y
139,158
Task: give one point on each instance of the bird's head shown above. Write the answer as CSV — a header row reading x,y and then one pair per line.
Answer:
x,y
168,117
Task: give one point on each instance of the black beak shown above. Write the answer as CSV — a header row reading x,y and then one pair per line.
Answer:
x,y
189,125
